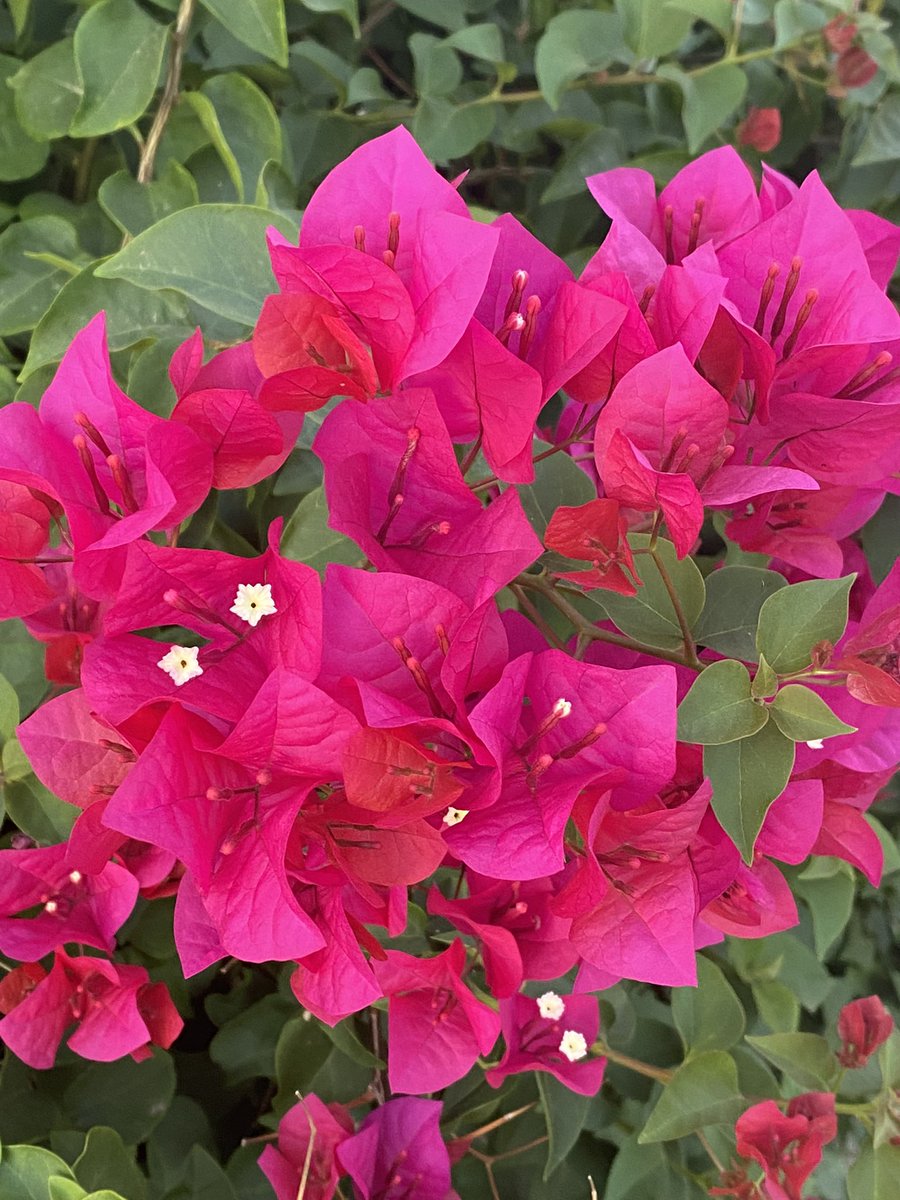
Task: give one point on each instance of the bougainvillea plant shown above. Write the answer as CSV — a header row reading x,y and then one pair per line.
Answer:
x,y
595,664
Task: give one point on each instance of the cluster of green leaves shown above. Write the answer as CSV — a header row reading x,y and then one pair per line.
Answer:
x,y
97,212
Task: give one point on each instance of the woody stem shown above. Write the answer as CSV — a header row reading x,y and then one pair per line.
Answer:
x,y
690,646
660,1074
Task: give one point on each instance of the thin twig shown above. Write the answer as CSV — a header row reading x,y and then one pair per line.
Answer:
x,y
660,1074
690,646
550,634
170,90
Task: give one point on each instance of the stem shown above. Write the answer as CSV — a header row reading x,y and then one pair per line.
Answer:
x,y
83,169
550,634
690,646
716,1161
170,91
660,1074
737,22
585,628
482,1130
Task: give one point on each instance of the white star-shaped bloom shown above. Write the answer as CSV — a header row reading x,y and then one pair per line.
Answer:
x,y
453,816
550,1006
816,744
573,1045
253,602
181,664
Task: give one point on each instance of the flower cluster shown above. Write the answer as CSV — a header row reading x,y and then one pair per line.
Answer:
x,y
293,757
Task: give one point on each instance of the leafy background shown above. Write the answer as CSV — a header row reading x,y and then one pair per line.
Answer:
x,y
144,148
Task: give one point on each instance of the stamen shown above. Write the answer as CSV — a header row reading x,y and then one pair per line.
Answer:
x,y
124,752
538,768
879,383
884,359
87,462
802,317
415,668
519,284
443,641
765,296
203,611
532,309
85,423
790,287
421,537
359,238
393,232
396,505
395,491
123,483
696,219
560,710
668,224
648,294
388,258
583,742
514,323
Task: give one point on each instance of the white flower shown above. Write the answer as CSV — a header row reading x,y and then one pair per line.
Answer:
x,y
181,663
453,816
562,708
573,1045
816,744
75,877
550,1006
253,602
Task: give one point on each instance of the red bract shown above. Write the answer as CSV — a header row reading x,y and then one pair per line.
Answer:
x,y
398,1148
309,1135
788,1146
595,532
551,1033
436,1026
863,1026
117,1010
761,129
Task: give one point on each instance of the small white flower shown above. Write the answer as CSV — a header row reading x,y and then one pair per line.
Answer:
x,y
550,1006
75,877
816,744
453,816
253,602
51,907
181,663
562,708
573,1045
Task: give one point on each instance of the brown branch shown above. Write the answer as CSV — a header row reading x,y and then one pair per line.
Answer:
x,y
170,90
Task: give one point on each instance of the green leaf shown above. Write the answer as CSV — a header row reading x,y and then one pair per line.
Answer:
x,y
635,1173
343,1035
21,155
243,126
803,716
245,1046
746,776
796,618
438,69
259,24
719,707
718,13
25,1172
106,1163
129,1097
830,902
875,1173
882,138
650,616
653,29
565,1113
48,91
9,709
118,55
449,14
136,206
348,9
308,539
28,284
710,96
734,596
557,481
204,1179
708,1016
22,662
703,1091
777,1005
184,252
132,314
765,681
302,1048
794,19
37,811
576,43
445,131
65,1189
805,1057
481,41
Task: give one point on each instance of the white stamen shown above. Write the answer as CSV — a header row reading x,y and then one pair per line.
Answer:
x,y
253,602
550,1006
573,1045
453,816
562,708
75,877
816,744
181,664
